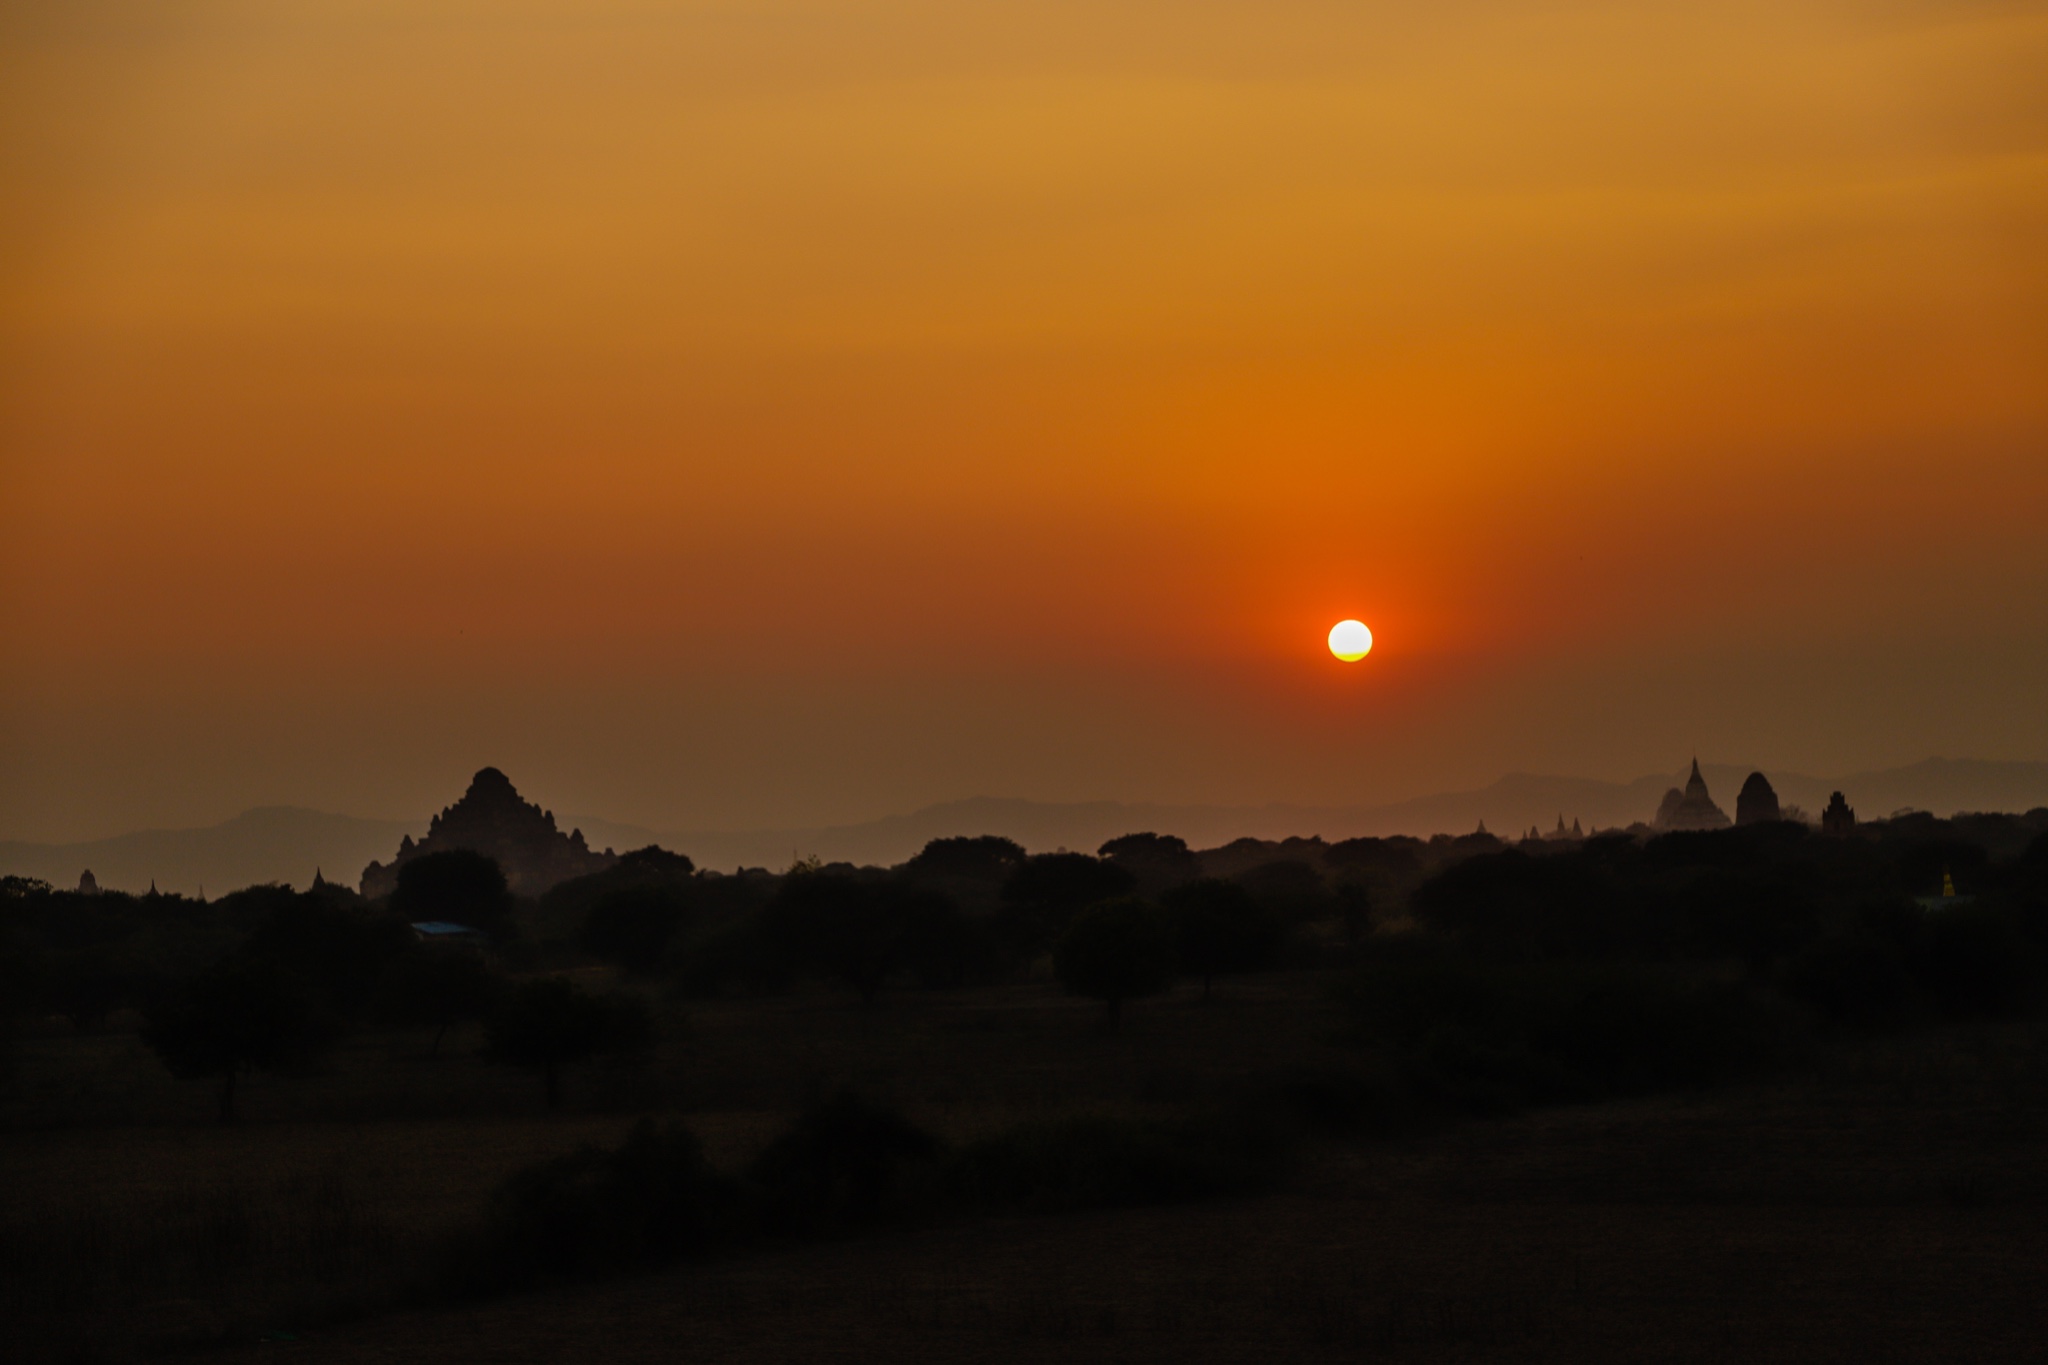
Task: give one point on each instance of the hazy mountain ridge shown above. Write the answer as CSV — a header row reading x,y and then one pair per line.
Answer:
x,y
287,843
266,844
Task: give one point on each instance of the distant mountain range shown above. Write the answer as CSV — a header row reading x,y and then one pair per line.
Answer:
x,y
285,843
268,844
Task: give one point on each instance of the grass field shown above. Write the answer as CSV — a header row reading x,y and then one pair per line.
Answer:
x,y
1882,1201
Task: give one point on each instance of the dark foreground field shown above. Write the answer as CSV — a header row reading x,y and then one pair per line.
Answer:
x,y
1880,1201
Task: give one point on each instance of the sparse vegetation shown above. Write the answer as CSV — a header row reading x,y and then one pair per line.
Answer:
x,y
1474,985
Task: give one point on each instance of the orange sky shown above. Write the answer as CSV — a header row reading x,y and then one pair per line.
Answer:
x,y
746,413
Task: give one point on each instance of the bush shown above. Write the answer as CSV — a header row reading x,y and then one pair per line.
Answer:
x,y
652,1201
1492,1036
1976,963
1855,980
845,1164
632,926
1512,905
1092,1163
737,956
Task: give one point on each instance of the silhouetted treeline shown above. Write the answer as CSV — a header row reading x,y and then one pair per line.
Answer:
x,y
1492,974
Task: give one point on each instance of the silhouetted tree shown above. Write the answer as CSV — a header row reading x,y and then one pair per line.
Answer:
x,y
1354,910
1287,887
240,1015
1041,897
857,930
1116,951
1976,962
1155,861
571,902
337,948
437,986
85,985
633,926
1858,980
1218,929
944,947
985,857
458,886
552,1023
1512,905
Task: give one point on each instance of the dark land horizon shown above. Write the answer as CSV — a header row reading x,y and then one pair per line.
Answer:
x,y
1726,1084
288,844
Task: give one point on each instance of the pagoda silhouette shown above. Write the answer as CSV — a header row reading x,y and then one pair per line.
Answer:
x,y
1692,808
494,820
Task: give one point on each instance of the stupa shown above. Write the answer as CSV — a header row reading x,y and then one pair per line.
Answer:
x,y
1693,808
1756,803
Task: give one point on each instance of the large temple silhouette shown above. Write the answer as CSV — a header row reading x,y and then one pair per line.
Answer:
x,y
492,819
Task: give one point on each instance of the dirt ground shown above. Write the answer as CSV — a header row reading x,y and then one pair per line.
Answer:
x,y
1884,1204
1747,1232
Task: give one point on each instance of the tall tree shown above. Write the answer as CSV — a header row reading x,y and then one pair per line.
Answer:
x,y
1219,929
459,886
551,1023
1116,951
237,1016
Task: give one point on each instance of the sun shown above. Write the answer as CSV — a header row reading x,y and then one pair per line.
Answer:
x,y
1350,641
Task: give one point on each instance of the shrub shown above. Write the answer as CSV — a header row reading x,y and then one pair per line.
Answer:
x,y
1855,980
1976,962
632,926
847,1163
653,1200
1495,1036
1089,1163
1512,905
735,956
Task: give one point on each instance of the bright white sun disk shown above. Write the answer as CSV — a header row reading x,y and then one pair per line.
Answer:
x,y
1350,641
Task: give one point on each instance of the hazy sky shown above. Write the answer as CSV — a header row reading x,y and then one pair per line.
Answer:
x,y
743,413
